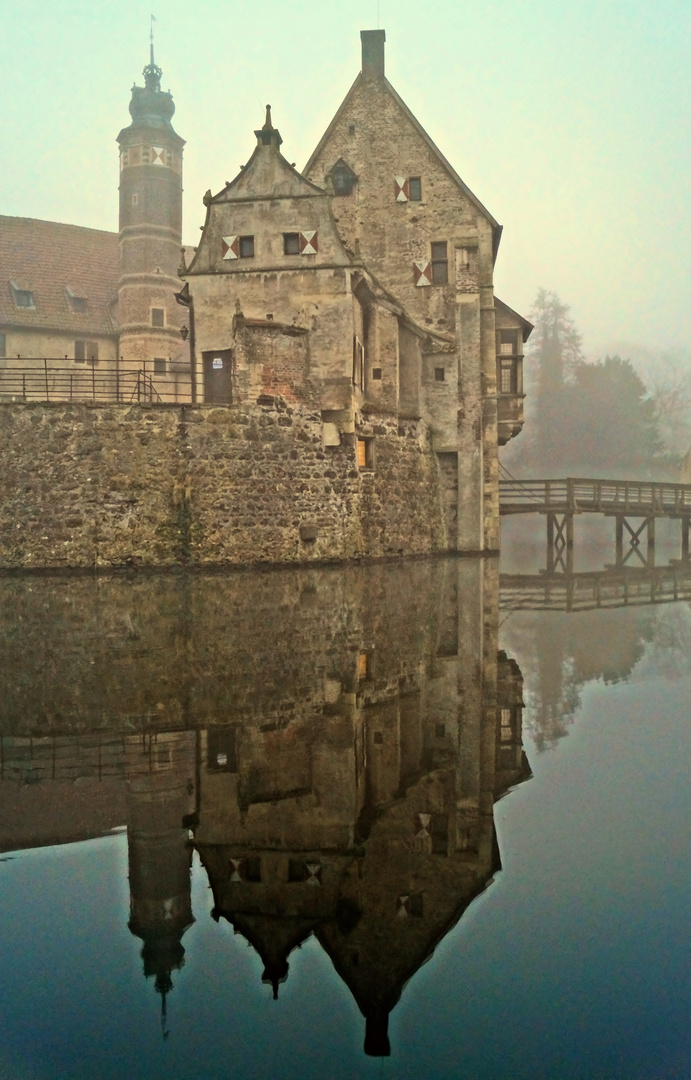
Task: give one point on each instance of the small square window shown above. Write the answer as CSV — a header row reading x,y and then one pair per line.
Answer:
x,y
439,374
376,373
158,316
159,365
415,189
246,247
265,137
291,243
79,304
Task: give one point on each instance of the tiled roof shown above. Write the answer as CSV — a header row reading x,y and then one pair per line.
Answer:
x,y
52,261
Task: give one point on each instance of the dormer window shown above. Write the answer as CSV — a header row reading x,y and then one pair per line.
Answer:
x,y
343,178
78,304
23,298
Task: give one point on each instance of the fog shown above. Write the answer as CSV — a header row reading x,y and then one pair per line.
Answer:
x,y
565,121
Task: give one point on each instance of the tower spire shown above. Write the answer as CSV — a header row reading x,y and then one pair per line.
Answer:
x,y
152,73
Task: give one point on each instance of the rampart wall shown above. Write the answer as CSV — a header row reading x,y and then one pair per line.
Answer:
x,y
133,485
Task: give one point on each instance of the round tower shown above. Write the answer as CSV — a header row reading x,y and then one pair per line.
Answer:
x,y
150,229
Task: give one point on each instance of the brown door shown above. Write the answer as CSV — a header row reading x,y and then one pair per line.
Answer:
x,y
217,376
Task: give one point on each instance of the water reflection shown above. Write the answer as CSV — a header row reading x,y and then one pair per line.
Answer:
x,y
331,742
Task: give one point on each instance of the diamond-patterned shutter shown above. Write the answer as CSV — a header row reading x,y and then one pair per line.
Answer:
x,y
308,242
422,272
230,247
401,188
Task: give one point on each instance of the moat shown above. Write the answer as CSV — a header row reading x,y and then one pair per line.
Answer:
x,y
390,820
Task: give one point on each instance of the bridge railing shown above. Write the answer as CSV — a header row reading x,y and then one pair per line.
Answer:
x,y
576,494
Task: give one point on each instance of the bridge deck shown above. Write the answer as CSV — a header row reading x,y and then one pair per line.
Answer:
x,y
635,498
599,589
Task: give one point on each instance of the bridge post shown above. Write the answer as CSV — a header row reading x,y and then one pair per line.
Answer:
x,y
685,539
651,541
559,543
618,540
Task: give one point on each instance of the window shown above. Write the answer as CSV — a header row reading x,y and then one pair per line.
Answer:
x,y
358,362
440,731
440,263
362,667
439,374
159,365
158,316
247,244
506,377
291,243
343,178
3,345
379,738
365,454
78,304
85,350
508,342
23,298
265,137
221,750
351,129
415,189
376,373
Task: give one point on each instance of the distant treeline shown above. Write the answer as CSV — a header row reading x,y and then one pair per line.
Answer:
x,y
595,419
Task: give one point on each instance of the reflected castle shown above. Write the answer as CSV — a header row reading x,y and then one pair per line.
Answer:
x,y
331,742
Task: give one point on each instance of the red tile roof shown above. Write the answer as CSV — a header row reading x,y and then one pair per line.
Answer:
x,y
52,260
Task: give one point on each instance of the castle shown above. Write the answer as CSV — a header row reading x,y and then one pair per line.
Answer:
x,y
349,308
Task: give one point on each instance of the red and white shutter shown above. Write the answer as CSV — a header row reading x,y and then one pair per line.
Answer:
x,y
308,242
401,188
158,155
230,247
422,272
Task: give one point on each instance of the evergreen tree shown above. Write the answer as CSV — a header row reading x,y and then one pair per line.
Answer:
x,y
582,419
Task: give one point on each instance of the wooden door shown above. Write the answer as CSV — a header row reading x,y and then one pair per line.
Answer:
x,y
218,387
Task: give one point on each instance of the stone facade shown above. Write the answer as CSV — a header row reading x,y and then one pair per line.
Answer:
x,y
99,486
348,374
375,267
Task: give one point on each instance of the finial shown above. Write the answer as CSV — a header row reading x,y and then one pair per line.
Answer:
x,y
152,73
268,126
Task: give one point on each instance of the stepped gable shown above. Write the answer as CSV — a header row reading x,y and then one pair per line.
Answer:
x,y
58,264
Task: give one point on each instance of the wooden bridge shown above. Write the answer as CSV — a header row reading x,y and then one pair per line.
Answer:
x,y
561,500
630,587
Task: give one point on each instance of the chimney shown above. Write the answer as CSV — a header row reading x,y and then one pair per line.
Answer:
x,y
373,54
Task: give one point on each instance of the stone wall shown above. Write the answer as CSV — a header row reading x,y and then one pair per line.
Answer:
x,y
120,485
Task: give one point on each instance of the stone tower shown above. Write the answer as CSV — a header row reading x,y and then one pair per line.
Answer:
x,y
150,228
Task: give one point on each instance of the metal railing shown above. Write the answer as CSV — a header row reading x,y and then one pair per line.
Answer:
x,y
42,380
574,495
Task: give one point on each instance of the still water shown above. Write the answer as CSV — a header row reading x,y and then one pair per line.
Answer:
x,y
385,821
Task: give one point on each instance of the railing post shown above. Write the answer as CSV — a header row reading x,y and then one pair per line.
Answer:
x,y
685,538
45,372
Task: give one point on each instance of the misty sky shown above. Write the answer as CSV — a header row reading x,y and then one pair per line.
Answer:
x,y
568,120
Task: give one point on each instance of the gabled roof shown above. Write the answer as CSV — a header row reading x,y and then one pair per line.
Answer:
x,y
58,262
526,327
359,81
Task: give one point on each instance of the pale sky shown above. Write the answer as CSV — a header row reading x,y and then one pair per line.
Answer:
x,y
568,120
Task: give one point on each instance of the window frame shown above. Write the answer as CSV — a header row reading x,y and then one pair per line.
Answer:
x,y
154,315
291,239
417,181
440,266
243,241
